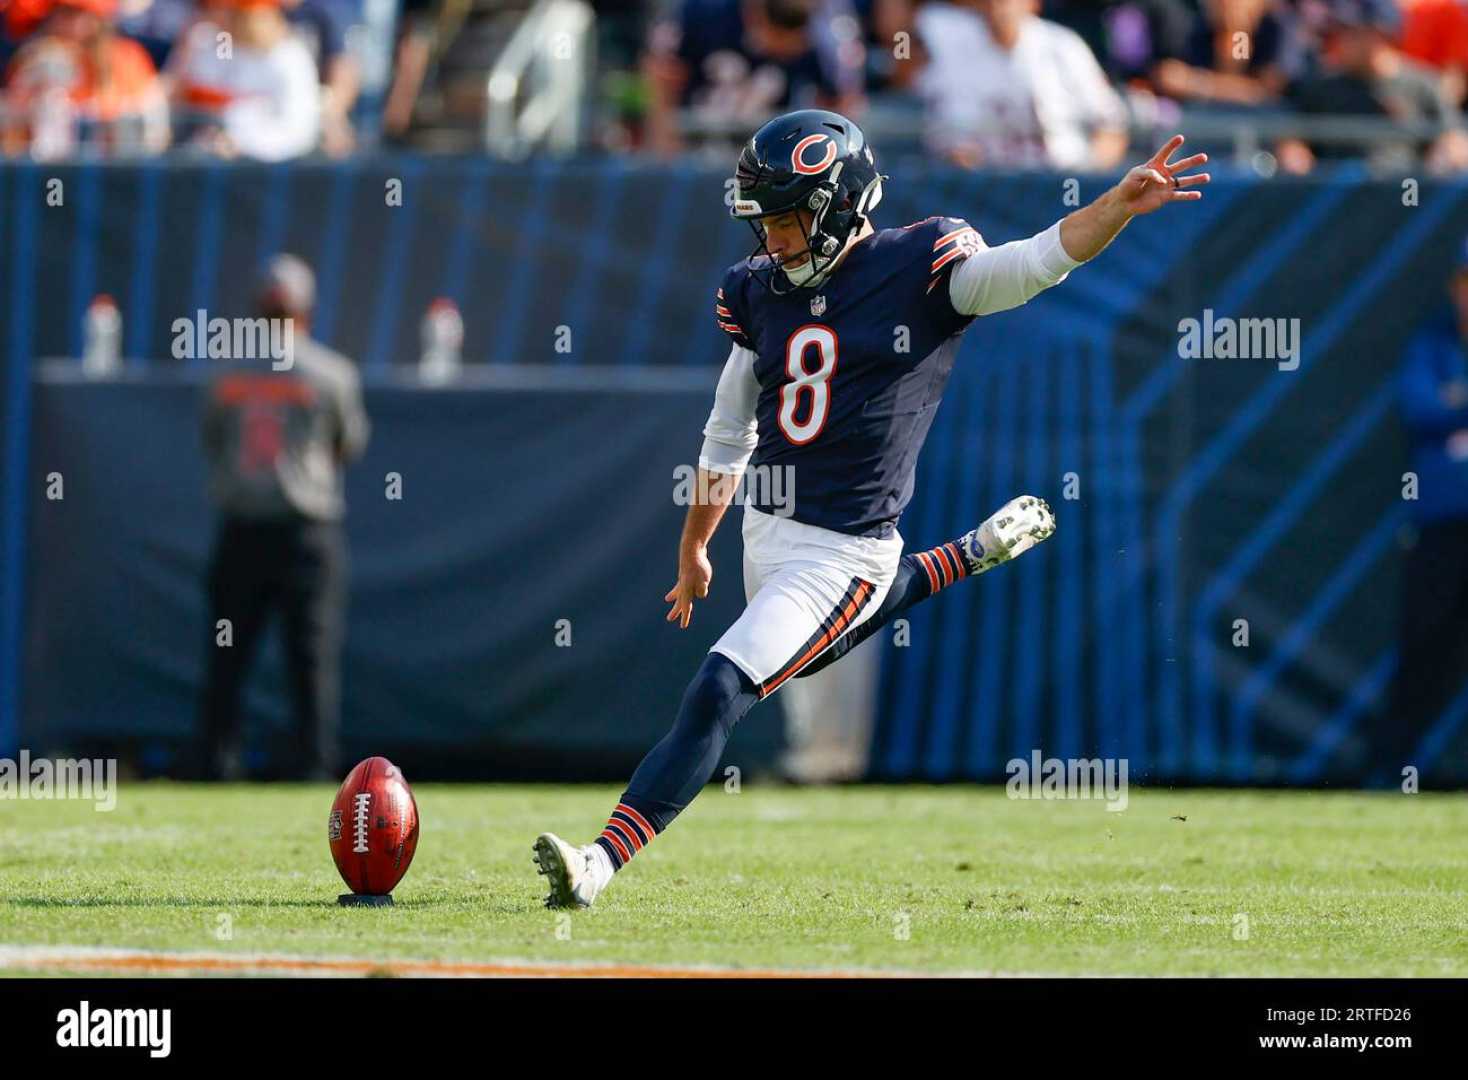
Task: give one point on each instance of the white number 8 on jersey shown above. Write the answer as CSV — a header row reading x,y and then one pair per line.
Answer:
x,y
817,382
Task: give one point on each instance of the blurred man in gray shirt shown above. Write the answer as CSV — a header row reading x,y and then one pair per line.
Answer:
x,y
278,430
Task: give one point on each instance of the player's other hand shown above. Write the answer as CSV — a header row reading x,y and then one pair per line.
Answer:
x,y
1158,181
695,572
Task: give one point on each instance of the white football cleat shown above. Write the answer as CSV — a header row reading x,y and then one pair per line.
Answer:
x,y
573,872
1010,531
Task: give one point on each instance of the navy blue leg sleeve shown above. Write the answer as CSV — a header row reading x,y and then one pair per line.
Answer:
x,y
909,586
684,760
678,767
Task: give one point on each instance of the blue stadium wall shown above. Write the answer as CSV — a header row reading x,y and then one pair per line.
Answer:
x,y
1207,491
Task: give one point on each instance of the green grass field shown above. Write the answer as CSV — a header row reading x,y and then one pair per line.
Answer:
x,y
912,879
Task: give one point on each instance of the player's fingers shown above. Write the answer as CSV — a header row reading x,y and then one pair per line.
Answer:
x,y
1186,196
1166,152
1192,181
1187,163
701,590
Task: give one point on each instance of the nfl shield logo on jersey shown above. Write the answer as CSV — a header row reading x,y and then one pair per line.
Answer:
x,y
818,306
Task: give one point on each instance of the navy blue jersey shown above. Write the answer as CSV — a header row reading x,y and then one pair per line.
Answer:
x,y
850,374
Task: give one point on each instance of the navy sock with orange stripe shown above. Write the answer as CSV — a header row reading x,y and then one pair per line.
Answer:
x,y
683,761
630,829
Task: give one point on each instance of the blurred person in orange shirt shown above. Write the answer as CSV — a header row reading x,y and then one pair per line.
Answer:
x,y
75,83
1435,32
1366,73
245,83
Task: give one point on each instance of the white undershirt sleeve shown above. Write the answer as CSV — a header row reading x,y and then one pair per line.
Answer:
x,y
729,437
997,279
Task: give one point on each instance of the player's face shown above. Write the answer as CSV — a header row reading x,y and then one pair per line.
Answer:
x,y
785,237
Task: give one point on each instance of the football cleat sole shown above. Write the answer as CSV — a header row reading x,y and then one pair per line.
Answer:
x,y
553,867
1012,530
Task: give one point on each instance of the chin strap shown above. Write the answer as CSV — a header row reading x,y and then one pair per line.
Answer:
x,y
820,278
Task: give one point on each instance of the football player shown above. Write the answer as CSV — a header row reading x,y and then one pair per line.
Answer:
x,y
843,340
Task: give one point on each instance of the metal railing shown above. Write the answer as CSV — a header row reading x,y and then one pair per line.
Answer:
x,y
1244,133
538,86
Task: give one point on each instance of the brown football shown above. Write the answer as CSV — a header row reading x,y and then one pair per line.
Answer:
x,y
373,828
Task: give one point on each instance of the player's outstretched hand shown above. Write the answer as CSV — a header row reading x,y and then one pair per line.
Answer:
x,y
695,573
1158,181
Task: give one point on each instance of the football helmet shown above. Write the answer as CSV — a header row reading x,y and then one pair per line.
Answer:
x,y
810,160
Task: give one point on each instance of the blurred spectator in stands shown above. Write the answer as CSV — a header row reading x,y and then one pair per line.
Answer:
x,y
250,93
21,19
1240,52
1433,637
1005,88
411,60
323,25
893,53
156,24
836,31
621,32
732,64
1435,33
1129,37
75,85
621,29
1364,74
